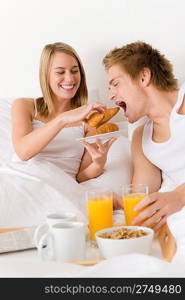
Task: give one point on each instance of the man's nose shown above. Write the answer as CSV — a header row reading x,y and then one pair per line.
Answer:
x,y
112,95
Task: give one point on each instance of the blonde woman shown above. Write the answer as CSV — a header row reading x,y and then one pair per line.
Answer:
x,y
46,128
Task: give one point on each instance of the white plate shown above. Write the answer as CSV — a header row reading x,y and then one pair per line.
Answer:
x,y
103,137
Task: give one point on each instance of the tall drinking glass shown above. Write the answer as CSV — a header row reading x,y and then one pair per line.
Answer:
x,y
100,210
132,195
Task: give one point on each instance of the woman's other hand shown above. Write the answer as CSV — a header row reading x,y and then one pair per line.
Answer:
x,y
99,151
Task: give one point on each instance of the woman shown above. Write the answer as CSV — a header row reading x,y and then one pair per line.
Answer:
x,y
46,128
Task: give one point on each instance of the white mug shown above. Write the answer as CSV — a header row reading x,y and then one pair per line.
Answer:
x,y
52,219
66,242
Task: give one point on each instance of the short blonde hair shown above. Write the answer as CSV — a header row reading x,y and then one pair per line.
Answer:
x,y
135,56
45,104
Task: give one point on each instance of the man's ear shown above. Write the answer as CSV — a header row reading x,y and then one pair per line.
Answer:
x,y
145,77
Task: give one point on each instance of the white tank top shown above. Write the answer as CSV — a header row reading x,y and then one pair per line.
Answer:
x,y
63,150
168,156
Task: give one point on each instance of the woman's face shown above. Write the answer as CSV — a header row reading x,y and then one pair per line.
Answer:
x,y
64,76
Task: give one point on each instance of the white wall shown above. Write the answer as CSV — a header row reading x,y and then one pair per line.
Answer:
x,y
91,27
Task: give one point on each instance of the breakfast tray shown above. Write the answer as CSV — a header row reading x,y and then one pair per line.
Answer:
x,y
16,239
167,243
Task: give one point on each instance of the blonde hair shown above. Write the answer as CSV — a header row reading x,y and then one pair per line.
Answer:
x,y
45,104
135,56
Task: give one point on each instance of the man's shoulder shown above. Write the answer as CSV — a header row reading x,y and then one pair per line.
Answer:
x,y
138,133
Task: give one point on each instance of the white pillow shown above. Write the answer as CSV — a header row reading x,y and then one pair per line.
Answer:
x,y
6,147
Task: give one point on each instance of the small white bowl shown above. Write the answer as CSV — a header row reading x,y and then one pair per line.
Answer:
x,y
114,247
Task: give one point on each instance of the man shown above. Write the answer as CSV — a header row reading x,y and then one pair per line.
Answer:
x,y
141,81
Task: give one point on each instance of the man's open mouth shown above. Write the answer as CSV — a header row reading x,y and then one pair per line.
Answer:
x,y
122,104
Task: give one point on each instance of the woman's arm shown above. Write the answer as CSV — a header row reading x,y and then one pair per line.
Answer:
x,y
87,169
27,142
94,159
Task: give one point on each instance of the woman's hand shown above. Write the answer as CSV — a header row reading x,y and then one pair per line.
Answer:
x,y
82,113
93,161
157,207
99,151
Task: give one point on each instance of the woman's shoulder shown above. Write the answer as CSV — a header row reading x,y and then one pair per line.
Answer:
x,y
23,101
24,104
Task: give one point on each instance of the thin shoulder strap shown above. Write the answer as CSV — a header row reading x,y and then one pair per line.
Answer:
x,y
35,107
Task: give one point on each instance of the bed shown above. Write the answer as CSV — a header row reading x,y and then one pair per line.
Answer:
x,y
30,191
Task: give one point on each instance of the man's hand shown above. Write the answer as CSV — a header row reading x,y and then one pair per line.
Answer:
x,y
157,207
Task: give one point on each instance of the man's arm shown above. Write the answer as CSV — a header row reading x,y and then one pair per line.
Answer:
x,y
158,206
143,170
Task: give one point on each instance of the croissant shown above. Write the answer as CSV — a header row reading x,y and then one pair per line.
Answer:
x,y
97,119
105,128
109,114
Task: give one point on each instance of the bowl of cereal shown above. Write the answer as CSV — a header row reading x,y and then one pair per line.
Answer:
x,y
120,240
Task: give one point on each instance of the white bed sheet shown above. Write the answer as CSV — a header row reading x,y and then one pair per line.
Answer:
x,y
30,190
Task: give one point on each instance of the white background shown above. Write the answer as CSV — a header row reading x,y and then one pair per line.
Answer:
x,y
92,28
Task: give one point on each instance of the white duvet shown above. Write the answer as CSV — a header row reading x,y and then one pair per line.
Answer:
x,y
29,191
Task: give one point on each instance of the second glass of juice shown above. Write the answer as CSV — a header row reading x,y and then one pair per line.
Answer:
x,y
100,210
132,195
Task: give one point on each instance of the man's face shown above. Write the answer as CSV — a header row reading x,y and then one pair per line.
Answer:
x,y
126,93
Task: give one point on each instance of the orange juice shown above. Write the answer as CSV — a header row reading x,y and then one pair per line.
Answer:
x,y
100,211
129,202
